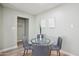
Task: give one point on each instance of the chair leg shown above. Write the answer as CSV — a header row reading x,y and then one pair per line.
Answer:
x,y
49,52
24,52
27,52
58,53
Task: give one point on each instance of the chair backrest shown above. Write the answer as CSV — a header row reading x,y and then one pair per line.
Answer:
x,y
59,42
39,50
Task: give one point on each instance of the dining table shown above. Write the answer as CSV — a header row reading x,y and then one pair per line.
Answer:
x,y
40,46
41,41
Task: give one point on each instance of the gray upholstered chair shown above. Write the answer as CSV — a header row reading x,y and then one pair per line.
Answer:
x,y
26,46
57,47
40,50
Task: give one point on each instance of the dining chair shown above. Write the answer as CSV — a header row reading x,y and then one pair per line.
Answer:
x,y
26,46
56,47
40,50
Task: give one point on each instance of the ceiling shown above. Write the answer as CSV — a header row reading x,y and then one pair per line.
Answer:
x,y
31,8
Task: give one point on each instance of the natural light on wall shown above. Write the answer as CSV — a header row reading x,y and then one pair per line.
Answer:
x,y
51,22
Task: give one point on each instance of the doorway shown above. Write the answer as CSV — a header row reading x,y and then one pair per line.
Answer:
x,y
22,29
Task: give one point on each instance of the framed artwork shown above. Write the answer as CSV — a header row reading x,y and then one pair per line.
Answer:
x,y
51,22
48,22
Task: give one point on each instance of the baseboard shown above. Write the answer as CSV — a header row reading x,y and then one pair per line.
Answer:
x,y
19,40
67,53
7,49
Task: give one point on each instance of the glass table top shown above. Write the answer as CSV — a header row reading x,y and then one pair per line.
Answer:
x,y
41,41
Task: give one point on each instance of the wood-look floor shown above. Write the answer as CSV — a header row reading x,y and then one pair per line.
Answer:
x,y
19,52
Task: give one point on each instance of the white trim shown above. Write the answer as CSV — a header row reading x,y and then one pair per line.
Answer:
x,y
19,40
10,48
67,53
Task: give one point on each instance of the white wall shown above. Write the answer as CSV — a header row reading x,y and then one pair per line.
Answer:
x,y
65,16
10,27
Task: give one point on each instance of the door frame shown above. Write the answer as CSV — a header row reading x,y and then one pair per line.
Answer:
x,y
17,27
